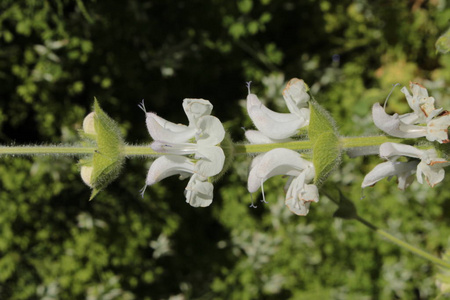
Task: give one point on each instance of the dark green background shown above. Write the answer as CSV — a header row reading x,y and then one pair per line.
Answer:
x,y
55,56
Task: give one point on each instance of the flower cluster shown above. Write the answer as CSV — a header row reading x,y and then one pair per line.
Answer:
x,y
425,121
190,151
426,164
276,127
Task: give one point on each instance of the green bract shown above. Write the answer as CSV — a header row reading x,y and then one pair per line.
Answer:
x,y
323,134
108,158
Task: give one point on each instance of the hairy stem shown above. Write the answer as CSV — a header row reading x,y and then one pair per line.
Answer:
x,y
130,151
46,150
358,145
355,145
261,148
140,150
366,141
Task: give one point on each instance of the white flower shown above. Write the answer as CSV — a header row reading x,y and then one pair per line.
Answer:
x,y
403,170
163,130
198,141
428,166
411,125
276,127
283,161
421,104
281,125
257,137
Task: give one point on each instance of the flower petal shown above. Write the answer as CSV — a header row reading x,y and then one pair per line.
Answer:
x,y
393,125
196,108
393,151
168,165
418,93
254,102
421,104
256,137
163,130
279,161
199,193
296,96
437,129
433,171
402,170
272,124
210,131
256,160
211,160
299,208
299,203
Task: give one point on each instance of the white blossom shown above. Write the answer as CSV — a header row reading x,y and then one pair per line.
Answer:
x,y
190,151
276,127
425,164
281,125
425,120
299,192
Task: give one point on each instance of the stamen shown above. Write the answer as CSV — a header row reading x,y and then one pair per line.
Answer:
x,y
142,106
248,83
387,98
252,205
262,191
142,191
362,194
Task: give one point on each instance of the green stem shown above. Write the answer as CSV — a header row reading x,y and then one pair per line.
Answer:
x,y
404,244
130,151
366,141
42,150
145,150
346,143
72,150
261,148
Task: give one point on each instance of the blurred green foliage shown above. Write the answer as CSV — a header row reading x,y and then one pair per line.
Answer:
x,y
55,56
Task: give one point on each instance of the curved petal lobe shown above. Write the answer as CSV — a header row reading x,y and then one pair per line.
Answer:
x,y
169,165
163,130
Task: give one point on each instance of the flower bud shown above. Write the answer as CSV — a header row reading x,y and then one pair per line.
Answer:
x,y
88,124
86,175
